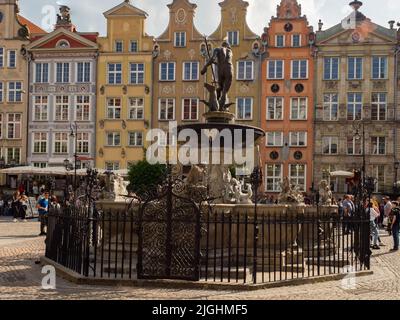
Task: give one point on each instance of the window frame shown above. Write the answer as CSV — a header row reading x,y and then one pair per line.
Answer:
x,y
276,179
169,64
190,112
167,106
275,108
245,100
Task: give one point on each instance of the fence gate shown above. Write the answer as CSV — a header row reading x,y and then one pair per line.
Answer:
x,y
169,236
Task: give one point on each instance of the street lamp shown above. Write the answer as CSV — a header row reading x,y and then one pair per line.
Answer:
x,y
396,170
74,134
359,135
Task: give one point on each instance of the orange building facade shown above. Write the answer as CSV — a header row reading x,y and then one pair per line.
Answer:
x,y
287,96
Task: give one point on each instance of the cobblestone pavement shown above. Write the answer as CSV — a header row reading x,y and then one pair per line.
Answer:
x,y
20,277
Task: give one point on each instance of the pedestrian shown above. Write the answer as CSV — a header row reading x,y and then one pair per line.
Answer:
x,y
395,225
35,189
348,211
373,212
54,202
16,205
43,209
24,202
388,206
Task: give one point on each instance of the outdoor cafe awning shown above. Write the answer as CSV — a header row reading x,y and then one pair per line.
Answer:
x,y
54,171
342,174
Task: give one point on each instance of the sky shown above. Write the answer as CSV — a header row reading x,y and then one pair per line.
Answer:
x,y
87,14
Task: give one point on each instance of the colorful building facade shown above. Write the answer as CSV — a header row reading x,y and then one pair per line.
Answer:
x,y
124,88
179,56
245,92
62,93
356,101
15,32
287,112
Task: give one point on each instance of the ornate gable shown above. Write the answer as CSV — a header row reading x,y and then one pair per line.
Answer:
x,y
125,9
288,9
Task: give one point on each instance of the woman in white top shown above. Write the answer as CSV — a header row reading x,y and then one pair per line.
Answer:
x,y
374,214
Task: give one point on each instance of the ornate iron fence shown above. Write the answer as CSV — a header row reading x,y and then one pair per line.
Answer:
x,y
212,243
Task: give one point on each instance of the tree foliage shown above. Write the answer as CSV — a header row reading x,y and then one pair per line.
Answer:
x,y
145,177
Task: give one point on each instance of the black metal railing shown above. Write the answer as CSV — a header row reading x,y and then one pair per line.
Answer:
x,y
278,244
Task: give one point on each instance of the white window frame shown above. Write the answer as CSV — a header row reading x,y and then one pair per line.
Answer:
x,y
180,39
116,43
353,146
136,42
284,40
9,59
2,56
190,64
246,64
355,68
63,143
353,105
275,135
83,105
330,140
166,112
16,133
275,69
378,142
41,74
135,134
276,179
15,92
85,66
380,67
62,72
13,156
298,108
245,99
42,106
275,108
379,105
235,36
2,92
292,40
331,68
114,73
114,135
297,177
114,107
190,112
135,108
134,75
299,69
168,63
81,142
61,105
115,165
329,105
40,142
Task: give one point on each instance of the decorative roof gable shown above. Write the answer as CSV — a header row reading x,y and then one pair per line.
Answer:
x,y
125,9
288,9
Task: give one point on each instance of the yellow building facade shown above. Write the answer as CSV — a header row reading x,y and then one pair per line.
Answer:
x,y
124,88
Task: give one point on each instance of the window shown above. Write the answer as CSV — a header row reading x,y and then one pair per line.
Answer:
x,y
61,142
299,69
119,46
83,74
353,146
330,145
378,145
1,57
12,59
296,40
83,142
137,73
244,110
135,139
355,66
114,73
41,111
1,92
275,69
280,41
190,110
180,39
112,166
14,126
331,107
40,165
298,139
41,72
331,68
275,108
274,139
134,46
379,174
354,106
273,177
62,108
190,71
113,139
379,107
62,75
114,108
167,71
233,38
15,92
379,67
166,109
14,154
298,175
245,70
298,110
40,142
136,109
82,108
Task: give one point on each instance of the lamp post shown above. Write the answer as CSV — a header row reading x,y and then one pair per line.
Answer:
x,y
74,135
359,134
396,170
